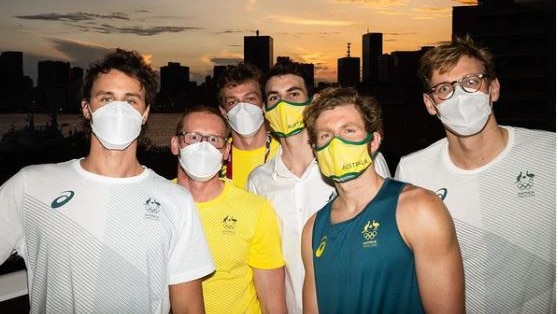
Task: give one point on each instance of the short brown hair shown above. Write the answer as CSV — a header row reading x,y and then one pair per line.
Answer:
x,y
332,97
130,63
238,74
444,57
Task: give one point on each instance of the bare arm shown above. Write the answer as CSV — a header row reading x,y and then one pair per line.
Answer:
x,y
428,229
187,297
309,299
270,287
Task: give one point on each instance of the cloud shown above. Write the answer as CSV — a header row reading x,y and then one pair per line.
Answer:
x,y
73,17
138,30
225,61
91,22
78,52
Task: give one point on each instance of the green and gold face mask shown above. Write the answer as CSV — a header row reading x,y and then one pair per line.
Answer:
x,y
342,160
285,118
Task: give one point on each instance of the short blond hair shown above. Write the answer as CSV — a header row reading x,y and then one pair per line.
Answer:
x,y
444,57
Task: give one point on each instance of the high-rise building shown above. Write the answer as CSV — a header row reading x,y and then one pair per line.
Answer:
x,y
522,36
258,50
12,86
372,50
175,84
348,70
53,84
174,78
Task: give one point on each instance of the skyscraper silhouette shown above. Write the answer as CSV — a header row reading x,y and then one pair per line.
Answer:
x,y
372,50
258,50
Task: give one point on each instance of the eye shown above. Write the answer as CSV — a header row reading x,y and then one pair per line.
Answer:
x,y
231,103
294,95
106,99
194,137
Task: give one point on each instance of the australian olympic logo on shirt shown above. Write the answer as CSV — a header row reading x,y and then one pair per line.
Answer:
x,y
152,209
369,233
229,225
525,182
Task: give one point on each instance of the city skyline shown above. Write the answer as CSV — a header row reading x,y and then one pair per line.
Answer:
x,y
202,35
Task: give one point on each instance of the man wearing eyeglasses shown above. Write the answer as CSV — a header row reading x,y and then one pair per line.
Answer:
x,y
241,228
498,183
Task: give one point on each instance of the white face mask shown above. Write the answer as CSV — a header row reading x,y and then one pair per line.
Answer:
x,y
201,161
465,113
116,124
245,119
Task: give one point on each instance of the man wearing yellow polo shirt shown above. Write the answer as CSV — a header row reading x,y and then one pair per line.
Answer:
x,y
241,228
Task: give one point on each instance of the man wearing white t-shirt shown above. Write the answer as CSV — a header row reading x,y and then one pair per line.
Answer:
x,y
292,180
498,182
104,234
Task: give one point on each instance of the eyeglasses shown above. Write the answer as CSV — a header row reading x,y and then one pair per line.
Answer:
x,y
470,83
195,137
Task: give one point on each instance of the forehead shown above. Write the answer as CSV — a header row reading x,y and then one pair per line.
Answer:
x,y
204,122
117,82
465,65
346,114
282,82
245,88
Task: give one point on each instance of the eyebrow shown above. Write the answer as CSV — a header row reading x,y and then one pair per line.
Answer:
x,y
102,92
290,89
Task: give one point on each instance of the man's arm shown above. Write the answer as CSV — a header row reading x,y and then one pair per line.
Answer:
x,y
187,297
270,287
309,299
428,229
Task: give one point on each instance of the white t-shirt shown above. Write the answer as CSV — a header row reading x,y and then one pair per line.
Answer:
x,y
96,244
504,214
295,200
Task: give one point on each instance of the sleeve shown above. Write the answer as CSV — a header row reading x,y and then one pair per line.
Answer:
x,y
399,173
190,259
251,185
381,165
11,216
265,247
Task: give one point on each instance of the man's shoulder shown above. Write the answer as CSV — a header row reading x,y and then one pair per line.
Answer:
x,y
427,153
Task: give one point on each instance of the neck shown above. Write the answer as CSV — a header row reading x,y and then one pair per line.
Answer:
x,y
201,191
354,195
249,143
478,150
112,163
297,153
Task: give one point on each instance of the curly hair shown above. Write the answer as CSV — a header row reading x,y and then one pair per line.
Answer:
x,y
332,97
444,57
129,62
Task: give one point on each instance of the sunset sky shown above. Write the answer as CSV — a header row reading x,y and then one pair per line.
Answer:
x,y
201,34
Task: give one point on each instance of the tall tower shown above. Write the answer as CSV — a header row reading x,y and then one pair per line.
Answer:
x,y
258,50
348,69
371,53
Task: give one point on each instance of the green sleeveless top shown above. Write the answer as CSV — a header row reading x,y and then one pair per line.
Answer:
x,y
362,265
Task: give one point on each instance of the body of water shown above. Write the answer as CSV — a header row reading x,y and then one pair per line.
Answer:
x,y
160,126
